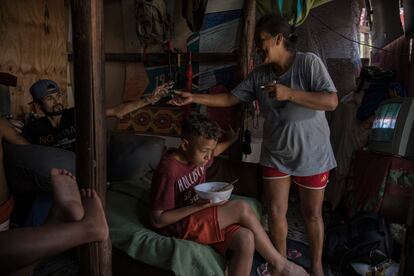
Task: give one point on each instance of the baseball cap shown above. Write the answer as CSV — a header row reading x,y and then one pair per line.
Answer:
x,y
42,88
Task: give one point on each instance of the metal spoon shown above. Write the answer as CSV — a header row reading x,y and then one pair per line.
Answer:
x,y
227,186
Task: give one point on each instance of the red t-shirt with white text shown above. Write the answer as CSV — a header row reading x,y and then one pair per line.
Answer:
x,y
173,187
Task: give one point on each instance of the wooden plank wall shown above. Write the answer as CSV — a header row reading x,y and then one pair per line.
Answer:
x,y
33,45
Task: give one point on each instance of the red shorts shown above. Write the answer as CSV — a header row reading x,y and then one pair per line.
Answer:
x,y
5,211
203,227
317,181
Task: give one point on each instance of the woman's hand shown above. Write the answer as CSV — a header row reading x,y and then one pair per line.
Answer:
x,y
181,98
278,91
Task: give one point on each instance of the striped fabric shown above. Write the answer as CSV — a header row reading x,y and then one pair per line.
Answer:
x,y
295,10
221,20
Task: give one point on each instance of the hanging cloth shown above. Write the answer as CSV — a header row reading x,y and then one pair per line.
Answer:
x,y
152,22
295,10
193,12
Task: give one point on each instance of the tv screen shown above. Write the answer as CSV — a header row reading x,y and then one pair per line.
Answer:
x,y
384,122
393,127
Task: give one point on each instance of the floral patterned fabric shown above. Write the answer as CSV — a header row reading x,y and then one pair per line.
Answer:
x,y
374,176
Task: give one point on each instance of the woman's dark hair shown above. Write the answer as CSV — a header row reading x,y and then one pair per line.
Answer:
x,y
274,24
198,125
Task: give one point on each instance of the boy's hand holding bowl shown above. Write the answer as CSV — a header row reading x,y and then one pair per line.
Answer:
x,y
215,191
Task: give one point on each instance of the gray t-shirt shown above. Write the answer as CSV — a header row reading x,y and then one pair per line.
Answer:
x,y
295,138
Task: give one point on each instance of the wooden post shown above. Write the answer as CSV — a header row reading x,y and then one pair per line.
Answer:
x,y
87,18
245,58
247,37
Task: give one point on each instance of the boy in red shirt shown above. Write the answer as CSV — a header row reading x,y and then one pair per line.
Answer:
x,y
177,211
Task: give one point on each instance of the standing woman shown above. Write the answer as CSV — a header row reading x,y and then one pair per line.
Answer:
x,y
294,90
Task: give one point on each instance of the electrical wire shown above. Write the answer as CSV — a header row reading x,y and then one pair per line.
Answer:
x,y
352,40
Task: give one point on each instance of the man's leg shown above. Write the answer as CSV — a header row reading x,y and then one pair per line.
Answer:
x,y
29,245
276,193
240,212
28,166
311,201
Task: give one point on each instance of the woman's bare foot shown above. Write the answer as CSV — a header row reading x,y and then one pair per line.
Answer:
x,y
67,204
94,219
288,269
317,270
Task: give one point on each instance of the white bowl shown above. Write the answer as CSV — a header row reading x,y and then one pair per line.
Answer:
x,y
207,191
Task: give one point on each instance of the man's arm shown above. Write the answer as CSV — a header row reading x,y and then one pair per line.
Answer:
x,y
121,110
216,100
125,108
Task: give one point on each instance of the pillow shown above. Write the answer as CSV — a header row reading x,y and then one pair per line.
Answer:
x,y
131,156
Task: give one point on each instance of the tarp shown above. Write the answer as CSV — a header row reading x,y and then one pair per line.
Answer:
x,y
295,10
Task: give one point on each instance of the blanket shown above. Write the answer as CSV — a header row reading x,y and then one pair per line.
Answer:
x,y
127,213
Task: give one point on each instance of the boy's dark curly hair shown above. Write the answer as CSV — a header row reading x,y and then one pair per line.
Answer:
x,y
199,125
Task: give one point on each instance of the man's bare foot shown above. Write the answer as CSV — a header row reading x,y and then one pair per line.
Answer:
x,y
288,269
67,204
94,218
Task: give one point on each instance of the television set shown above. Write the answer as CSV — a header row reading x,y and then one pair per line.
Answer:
x,y
392,130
